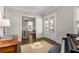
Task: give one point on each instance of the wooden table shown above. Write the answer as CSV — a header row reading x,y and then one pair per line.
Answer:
x,y
8,46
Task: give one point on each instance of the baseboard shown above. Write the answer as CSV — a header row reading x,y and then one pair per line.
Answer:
x,y
39,35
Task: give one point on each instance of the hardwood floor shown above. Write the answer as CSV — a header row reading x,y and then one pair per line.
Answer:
x,y
25,41
48,40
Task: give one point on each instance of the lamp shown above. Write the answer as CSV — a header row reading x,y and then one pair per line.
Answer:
x,y
1,23
4,23
1,27
77,25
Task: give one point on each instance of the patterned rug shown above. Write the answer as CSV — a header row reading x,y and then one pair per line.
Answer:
x,y
37,47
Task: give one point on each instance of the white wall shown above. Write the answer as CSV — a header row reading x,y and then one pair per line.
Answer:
x,y
64,23
15,17
1,16
48,34
76,19
14,22
39,27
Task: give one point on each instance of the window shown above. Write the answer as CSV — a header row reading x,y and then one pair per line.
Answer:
x,y
76,20
46,24
49,24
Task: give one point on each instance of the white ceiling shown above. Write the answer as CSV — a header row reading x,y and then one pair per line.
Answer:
x,y
40,10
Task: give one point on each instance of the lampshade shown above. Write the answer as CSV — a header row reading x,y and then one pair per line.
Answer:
x,y
77,25
1,22
5,23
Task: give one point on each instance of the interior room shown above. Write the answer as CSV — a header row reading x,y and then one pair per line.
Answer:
x,y
28,27
39,29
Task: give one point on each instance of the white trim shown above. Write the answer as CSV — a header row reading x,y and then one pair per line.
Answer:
x,y
48,34
48,16
21,21
74,18
38,35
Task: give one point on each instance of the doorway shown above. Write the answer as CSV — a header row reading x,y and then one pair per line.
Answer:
x,y
28,28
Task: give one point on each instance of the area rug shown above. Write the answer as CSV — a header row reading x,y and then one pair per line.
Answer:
x,y
37,47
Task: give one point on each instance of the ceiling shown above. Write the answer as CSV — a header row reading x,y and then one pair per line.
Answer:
x,y
40,10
